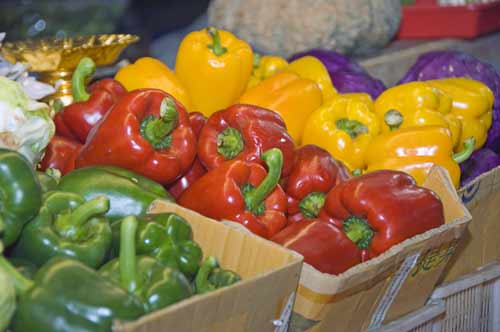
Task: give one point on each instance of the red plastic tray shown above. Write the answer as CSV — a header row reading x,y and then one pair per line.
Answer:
x,y
426,20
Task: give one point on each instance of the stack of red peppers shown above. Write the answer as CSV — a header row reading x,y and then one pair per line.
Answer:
x,y
241,164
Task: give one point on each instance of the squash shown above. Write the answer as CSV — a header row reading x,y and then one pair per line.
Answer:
x,y
285,27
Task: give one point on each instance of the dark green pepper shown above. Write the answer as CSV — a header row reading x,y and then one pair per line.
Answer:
x,y
66,295
68,226
20,194
26,268
129,193
210,277
167,237
156,285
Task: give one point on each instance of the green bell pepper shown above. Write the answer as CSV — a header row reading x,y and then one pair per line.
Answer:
x,y
129,193
210,277
68,226
20,194
25,267
167,237
66,295
156,285
7,293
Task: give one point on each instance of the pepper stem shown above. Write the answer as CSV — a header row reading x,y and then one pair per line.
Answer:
x,y
157,130
21,283
229,143
256,60
357,172
128,264
469,144
394,119
254,198
312,204
358,231
216,47
85,68
68,224
352,127
201,281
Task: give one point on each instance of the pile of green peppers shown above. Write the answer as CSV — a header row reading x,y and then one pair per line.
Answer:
x,y
80,252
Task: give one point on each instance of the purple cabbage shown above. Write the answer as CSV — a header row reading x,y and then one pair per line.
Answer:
x,y
480,162
442,64
347,76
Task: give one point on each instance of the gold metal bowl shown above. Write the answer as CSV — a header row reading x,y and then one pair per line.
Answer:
x,y
56,59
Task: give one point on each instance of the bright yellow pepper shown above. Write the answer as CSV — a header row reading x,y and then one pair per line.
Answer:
x,y
152,73
264,67
311,68
415,150
472,103
294,98
417,104
215,67
344,126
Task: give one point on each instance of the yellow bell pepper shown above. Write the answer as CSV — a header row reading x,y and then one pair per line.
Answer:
x,y
311,68
417,104
264,67
215,67
344,126
152,73
294,98
472,103
415,150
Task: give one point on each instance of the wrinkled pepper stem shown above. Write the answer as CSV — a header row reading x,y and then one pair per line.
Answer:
x,y
469,144
69,224
352,127
357,172
256,60
394,119
202,283
21,283
129,277
358,231
216,47
312,204
229,143
157,130
85,68
254,198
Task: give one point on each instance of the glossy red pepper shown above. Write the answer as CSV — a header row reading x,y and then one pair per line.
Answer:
x,y
382,208
323,245
148,132
76,120
314,173
60,154
197,169
244,132
242,192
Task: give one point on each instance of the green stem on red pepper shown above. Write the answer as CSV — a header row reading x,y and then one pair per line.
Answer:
x,y
394,119
254,197
312,204
216,47
229,143
69,224
358,231
352,127
21,283
157,130
129,277
469,144
85,68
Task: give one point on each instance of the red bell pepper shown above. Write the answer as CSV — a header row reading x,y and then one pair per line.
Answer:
x,y
242,192
383,208
244,132
60,154
197,169
148,132
314,173
76,120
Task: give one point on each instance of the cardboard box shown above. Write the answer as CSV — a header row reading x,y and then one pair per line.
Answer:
x,y
262,301
480,245
387,287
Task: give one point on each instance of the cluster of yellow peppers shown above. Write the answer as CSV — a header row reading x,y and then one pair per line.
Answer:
x,y
409,127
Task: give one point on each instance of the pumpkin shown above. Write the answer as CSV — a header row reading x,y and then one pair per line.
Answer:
x,y
285,27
